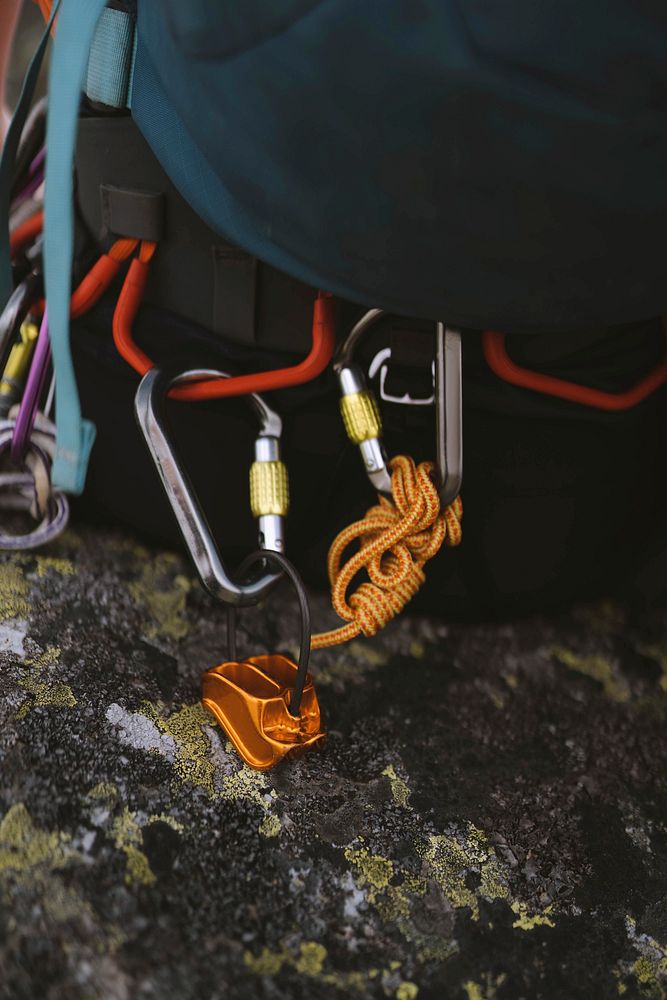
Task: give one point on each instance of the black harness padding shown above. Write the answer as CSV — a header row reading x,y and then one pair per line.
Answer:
x,y
122,190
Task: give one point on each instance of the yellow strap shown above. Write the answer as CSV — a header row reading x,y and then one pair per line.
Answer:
x,y
396,538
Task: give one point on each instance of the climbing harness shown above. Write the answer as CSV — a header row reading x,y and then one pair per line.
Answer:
x,y
266,704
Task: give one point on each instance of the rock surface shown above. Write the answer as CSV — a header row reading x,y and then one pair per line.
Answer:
x,y
488,818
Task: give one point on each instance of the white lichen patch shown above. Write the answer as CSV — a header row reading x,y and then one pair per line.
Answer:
x,y
138,731
12,634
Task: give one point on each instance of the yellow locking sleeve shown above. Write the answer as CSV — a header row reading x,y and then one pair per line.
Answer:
x,y
269,488
361,416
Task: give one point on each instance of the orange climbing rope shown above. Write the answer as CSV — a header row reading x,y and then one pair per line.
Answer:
x,y
397,538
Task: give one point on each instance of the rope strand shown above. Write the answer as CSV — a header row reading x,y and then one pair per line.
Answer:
x,y
396,539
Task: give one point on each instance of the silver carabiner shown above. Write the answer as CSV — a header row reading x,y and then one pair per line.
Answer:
x,y
363,421
269,490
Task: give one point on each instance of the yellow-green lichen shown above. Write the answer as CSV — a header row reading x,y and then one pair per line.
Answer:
x,y
32,857
310,962
650,968
163,592
14,589
375,874
372,869
599,669
450,858
473,990
267,963
311,958
24,846
407,990
43,693
487,990
165,818
49,657
65,567
528,922
104,790
400,789
270,826
128,838
193,763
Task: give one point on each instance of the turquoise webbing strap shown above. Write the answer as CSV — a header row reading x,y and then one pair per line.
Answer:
x,y
111,58
74,35
8,160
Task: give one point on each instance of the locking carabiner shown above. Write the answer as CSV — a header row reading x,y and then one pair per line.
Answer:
x,y
269,490
363,421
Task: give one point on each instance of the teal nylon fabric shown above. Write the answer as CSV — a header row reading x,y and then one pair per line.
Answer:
x,y
490,164
8,160
110,61
76,26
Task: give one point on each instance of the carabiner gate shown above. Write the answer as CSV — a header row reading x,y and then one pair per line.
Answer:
x,y
363,421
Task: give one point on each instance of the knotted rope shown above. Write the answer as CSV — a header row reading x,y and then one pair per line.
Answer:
x,y
396,539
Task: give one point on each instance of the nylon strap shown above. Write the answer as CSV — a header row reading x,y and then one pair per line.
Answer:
x,y
111,58
76,26
8,160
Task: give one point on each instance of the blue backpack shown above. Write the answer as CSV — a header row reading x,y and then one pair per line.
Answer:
x,y
492,164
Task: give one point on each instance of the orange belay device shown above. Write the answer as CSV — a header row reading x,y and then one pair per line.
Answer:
x,y
251,701
266,704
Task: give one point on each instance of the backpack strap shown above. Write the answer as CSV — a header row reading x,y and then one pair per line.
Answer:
x,y
111,59
76,27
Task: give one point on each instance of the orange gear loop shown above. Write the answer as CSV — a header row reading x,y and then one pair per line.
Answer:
x,y
129,300
396,540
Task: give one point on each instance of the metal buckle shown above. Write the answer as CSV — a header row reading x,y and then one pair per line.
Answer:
x,y
363,421
270,495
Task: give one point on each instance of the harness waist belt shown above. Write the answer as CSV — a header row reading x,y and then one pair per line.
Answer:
x,y
195,272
